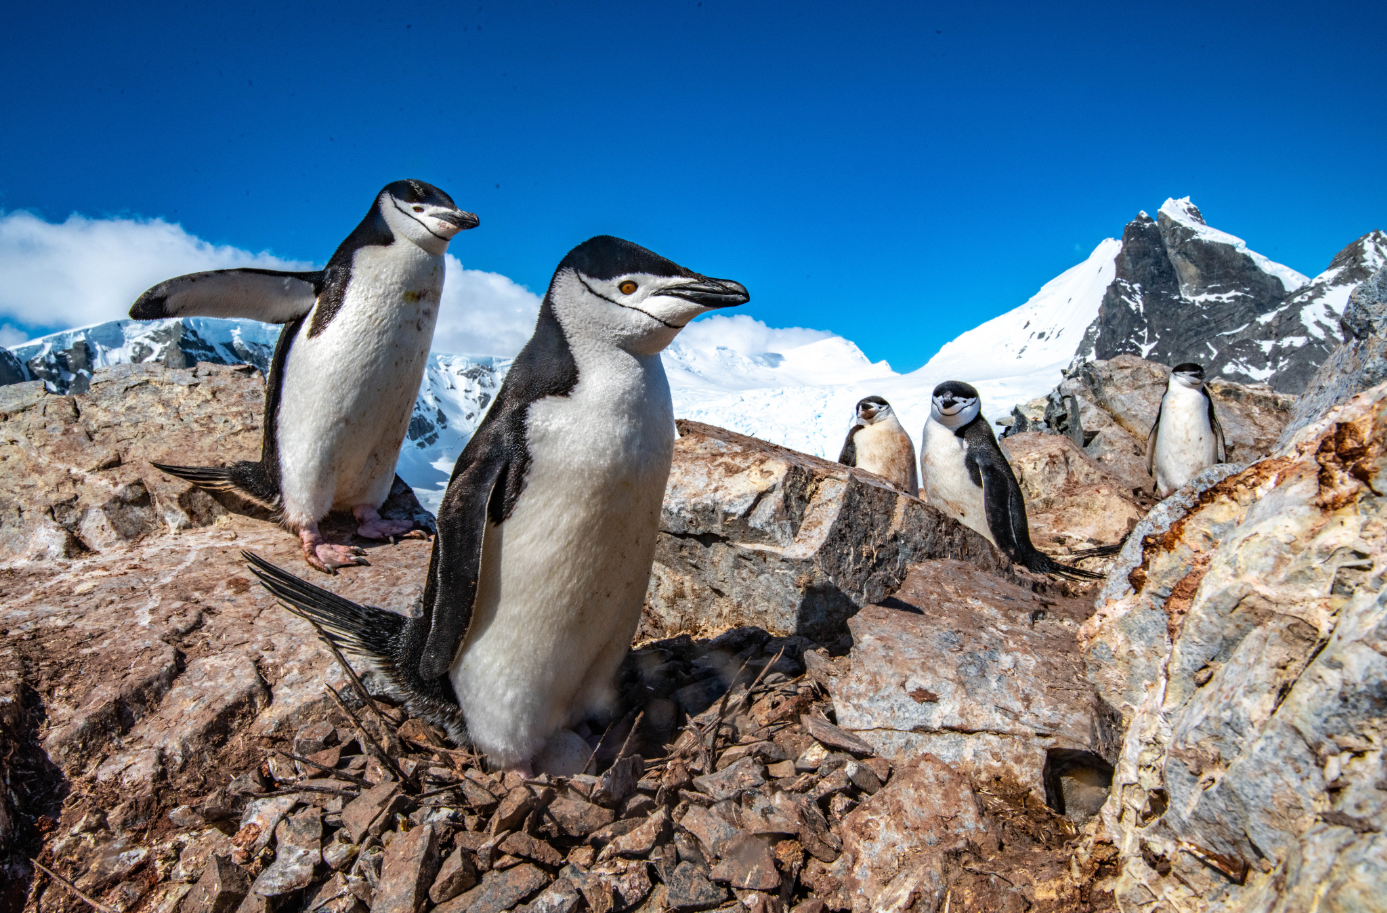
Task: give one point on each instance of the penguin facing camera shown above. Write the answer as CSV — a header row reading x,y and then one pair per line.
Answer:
x,y
1186,437
547,531
967,476
878,443
346,369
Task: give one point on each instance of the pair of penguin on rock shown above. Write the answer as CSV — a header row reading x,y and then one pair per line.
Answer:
x,y
967,475
547,531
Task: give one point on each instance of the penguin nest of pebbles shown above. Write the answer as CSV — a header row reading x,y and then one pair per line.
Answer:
x,y
723,784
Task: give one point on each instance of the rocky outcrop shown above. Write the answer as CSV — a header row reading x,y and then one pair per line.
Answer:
x,y
11,368
1071,502
985,676
756,534
1112,405
1243,641
1359,363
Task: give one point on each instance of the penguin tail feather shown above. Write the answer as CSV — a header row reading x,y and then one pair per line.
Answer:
x,y
242,478
1101,551
1044,564
367,631
373,634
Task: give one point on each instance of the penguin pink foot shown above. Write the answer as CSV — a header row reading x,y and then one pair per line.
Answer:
x,y
325,556
374,526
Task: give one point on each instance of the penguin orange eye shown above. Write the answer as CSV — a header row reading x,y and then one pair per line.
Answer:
x,y
418,209
627,287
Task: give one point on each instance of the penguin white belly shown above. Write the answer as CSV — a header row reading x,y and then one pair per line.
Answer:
x,y
883,448
1185,443
946,482
564,577
347,394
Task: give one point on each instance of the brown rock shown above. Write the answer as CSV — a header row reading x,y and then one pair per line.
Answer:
x,y
747,862
712,832
457,874
755,534
1071,502
834,737
298,850
512,810
926,809
523,845
498,892
314,737
578,818
688,888
619,781
560,897
732,781
411,861
221,888
618,884
194,857
369,807
641,840
335,896
1011,684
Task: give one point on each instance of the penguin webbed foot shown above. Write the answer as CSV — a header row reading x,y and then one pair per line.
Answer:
x,y
374,526
325,556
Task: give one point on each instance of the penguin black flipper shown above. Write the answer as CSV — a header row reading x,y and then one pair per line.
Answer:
x,y
1151,441
1006,515
243,477
849,455
1217,428
271,296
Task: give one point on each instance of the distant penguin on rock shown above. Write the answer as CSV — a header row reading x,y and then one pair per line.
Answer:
x,y
966,475
1186,437
547,531
346,369
878,443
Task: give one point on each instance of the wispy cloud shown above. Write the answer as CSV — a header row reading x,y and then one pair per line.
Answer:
x,y
747,335
58,275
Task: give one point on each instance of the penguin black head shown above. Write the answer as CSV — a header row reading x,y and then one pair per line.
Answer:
x,y
423,214
613,290
1189,374
872,409
955,404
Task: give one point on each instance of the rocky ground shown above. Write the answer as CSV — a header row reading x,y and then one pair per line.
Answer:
x,y
838,699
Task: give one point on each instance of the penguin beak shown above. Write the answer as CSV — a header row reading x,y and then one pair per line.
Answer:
x,y
710,293
463,220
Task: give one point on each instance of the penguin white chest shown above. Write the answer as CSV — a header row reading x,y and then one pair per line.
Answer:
x,y
945,479
564,577
1185,443
348,392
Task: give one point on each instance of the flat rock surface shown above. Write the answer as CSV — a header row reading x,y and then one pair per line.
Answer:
x,y
976,671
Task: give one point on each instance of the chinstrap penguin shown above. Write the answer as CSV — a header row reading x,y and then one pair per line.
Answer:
x,y
967,476
547,531
346,369
1186,437
877,443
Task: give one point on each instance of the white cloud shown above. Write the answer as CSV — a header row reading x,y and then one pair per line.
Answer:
x,y
58,275
83,271
10,336
483,313
747,335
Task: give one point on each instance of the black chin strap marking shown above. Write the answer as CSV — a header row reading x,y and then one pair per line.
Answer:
x,y
672,326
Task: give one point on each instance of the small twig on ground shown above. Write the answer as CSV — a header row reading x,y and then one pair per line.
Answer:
x,y
438,792
626,743
596,748
339,774
290,789
71,887
367,741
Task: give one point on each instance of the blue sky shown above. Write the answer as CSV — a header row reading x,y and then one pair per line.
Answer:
x,y
893,173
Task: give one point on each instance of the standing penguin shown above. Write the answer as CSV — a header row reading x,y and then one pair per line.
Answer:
x,y
1186,437
547,531
877,443
346,369
967,476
